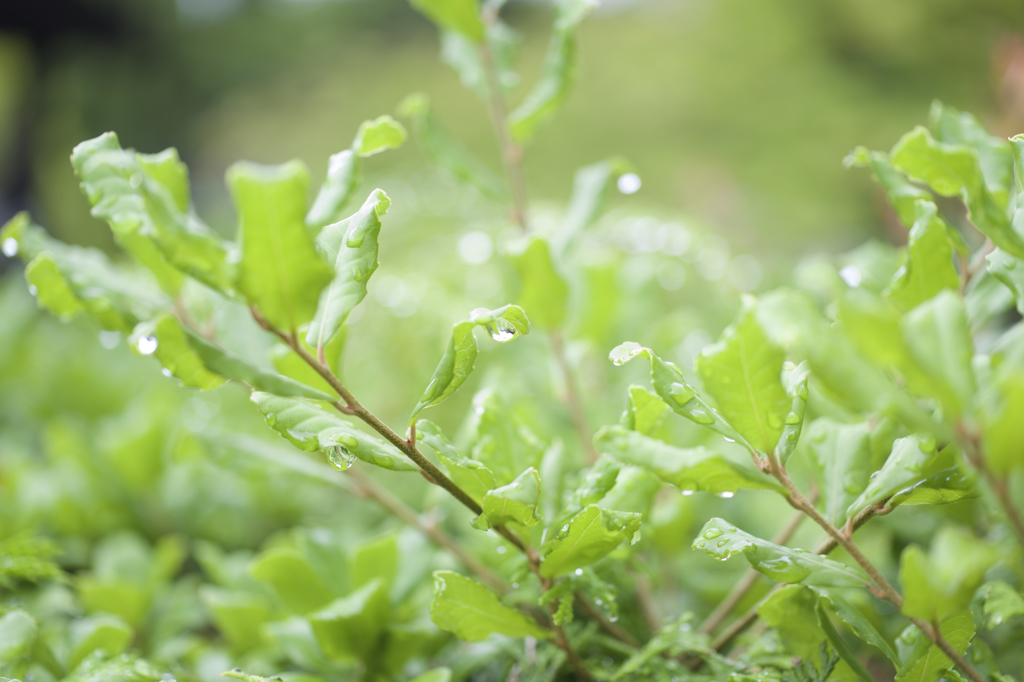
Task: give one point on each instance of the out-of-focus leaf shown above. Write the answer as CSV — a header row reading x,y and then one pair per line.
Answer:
x,y
597,481
557,73
794,381
943,581
588,537
589,193
238,615
645,411
147,196
792,612
840,646
28,558
280,272
310,428
17,634
502,324
1001,603
288,573
954,170
985,298
498,440
722,540
435,675
98,667
469,474
379,135
471,612
1010,271
174,351
857,623
447,153
743,373
926,662
515,502
465,57
940,342
843,455
673,389
689,469
109,633
929,266
462,16
350,246
901,193
960,127
351,627
377,558
906,465
544,293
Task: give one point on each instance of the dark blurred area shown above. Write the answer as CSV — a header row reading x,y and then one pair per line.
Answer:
x,y
735,113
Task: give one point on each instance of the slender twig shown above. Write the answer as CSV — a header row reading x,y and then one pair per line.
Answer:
x,y
646,599
746,583
572,397
595,614
972,450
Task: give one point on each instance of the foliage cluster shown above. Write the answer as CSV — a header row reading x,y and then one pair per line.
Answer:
x,y
883,391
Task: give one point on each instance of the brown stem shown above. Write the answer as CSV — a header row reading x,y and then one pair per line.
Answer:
x,y
746,583
572,397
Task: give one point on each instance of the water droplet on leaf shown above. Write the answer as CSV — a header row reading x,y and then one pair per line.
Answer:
x,y
340,458
726,495
135,180
10,247
629,183
166,372
502,330
147,345
712,533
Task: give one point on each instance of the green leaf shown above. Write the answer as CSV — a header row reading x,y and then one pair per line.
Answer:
x,y
238,615
350,246
557,73
174,351
939,340
794,381
379,135
464,57
954,170
722,540
435,675
926,662
377,558
109,633
645,411
310,428
280,272
502,324
287,572
29,558
1001,603
124,668
901,193
469,474
673,389
857,623
588,537
689,469
352,626
446,153
947,486
929,266
840,646
907,465
944,580
462,16
589,194
961,128
1005,269
17,634
471,612
597,482
543,292
743,373
792,611
498,439
147,197
515,502
843,455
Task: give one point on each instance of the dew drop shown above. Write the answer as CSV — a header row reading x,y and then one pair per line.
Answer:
x,y
726,495
109,340
501,549
732,529
629,183
502,330
728,440
515,586
166,372
701,417
687,493
613,619
10,247
774,421
681,393
792,419
340,458
722,543
135,180
579,571
712,533
32,289
851,275
147,345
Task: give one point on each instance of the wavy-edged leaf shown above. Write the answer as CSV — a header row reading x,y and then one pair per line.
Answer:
x,y
543,291
901,193
645,411
907,465
843,455
469,474
994,156
471,612
597,482
351,627
502,324
929,266
743,373
943,581
462,16
588,537
515,502
445,152
350,246
722,540
689,469
672,388
310,428
280,272
557,73
926,662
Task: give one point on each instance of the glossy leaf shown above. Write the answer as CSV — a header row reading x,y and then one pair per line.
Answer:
x,y
502,324
929,265
645,411
280,272
588,537
943,581
462,16
794,381
351,627
446,152
1001,603
350,246
147,197
174,351
543,293
308,427
689,469
925,662
469,474
597,482
471,612
907,464
557,73
843,456
512,503
743,374
722,540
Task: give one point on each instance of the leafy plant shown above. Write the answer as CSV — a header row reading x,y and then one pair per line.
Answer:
x,y
892,383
